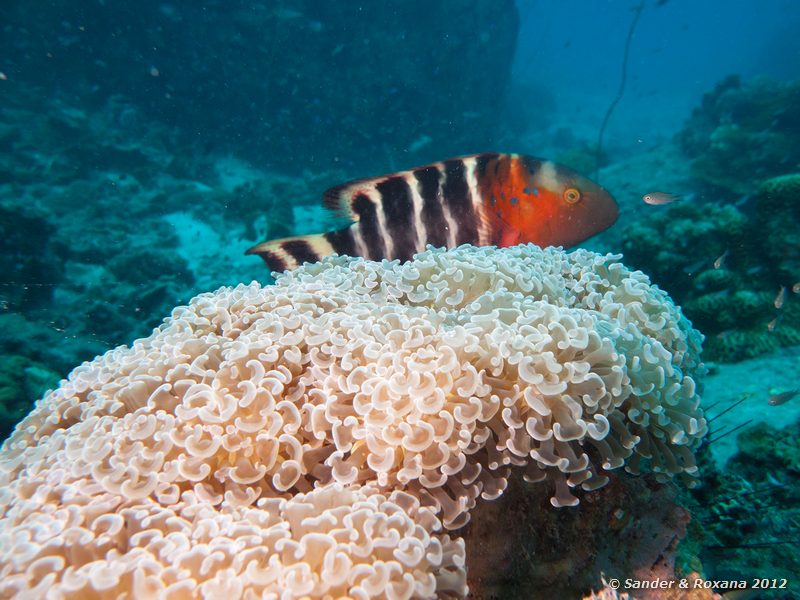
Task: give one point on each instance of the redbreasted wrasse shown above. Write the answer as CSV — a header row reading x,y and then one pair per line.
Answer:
x,y
484,199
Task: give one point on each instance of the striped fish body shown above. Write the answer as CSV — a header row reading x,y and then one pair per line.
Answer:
x,y
484,199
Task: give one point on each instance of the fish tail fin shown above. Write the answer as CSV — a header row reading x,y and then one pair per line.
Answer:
x,y
289,253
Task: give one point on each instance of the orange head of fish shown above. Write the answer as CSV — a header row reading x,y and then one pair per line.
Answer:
x,y
551,205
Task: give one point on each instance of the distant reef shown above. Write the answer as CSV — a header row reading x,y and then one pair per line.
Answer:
x,y
733,269
743,133
106,221
302,84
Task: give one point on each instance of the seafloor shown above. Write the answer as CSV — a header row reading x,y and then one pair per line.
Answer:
x,y
110,218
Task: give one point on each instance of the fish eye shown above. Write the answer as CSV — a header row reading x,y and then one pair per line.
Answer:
x,y
572,195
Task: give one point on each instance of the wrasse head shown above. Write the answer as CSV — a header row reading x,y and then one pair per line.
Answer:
x,y
565,208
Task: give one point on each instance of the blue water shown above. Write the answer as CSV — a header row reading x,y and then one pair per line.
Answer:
x,y
680,50
144,147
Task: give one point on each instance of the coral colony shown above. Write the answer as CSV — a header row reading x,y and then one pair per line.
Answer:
x,y
328,435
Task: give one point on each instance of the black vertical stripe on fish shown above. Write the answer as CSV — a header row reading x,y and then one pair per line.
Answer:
x,y
398,210
274,262
342,241
482,163
300,250
532,164
432,216
457,196
368,226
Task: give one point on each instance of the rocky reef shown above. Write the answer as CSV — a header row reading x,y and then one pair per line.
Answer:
x,y
775,226
746,513
743,133
105,223
629,529
733,268
330,77
21,382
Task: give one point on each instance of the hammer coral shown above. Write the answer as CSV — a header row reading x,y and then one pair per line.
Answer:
x,y
317,436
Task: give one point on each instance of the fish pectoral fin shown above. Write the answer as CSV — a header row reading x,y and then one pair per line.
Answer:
x,y
499,230
509,237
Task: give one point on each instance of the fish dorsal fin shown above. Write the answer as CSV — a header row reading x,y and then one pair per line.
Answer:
x,y
339,199
342,199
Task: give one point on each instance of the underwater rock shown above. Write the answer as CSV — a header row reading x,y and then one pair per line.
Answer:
x,y
516,544
31,261
146,284
747,510
743,133
777,226
764,448
22,382
726,267
92,253
51,342
738,344
279,73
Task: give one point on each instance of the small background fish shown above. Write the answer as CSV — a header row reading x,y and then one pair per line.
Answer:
x,y
780,298
782,398
658,198
720,261
484,199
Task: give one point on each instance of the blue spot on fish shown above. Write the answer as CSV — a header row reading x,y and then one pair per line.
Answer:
x,y
493,200
514,200
527,191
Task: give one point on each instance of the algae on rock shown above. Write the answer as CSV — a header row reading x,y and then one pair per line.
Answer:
x,y
743,133
727,268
